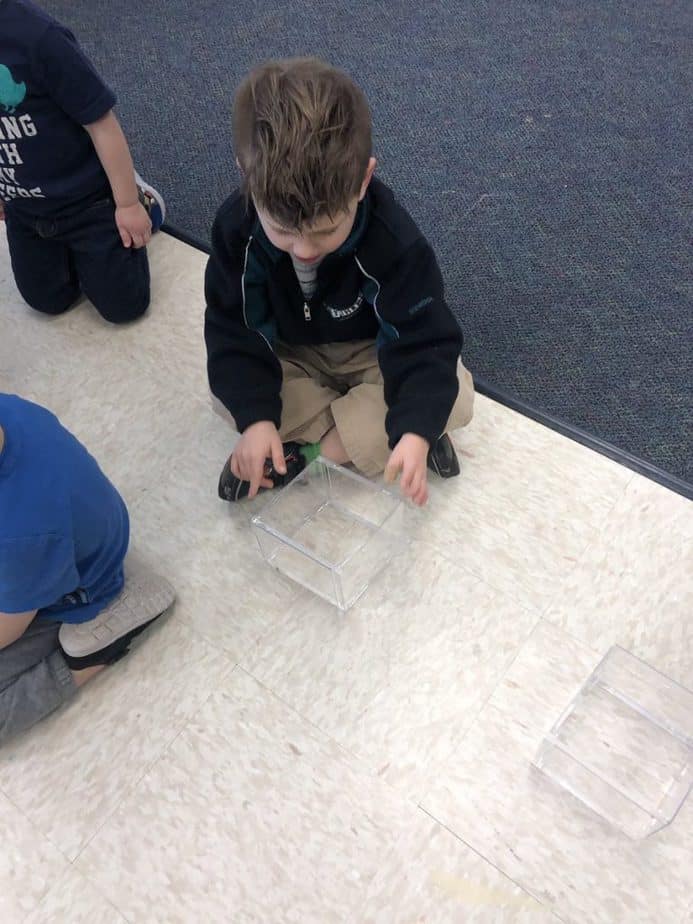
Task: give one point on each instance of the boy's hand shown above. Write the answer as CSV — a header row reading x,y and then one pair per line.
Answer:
x,y
409,457
259,442
134,225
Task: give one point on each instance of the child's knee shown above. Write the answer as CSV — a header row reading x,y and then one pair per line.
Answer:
x,y
53,303
366,445
123,311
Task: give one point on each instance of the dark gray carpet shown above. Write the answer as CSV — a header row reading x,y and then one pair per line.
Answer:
x,y
543,146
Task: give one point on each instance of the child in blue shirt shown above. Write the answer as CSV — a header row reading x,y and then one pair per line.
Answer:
x,y
78,216
67,609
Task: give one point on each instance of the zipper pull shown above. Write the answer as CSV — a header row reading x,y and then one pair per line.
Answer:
x,y
306,311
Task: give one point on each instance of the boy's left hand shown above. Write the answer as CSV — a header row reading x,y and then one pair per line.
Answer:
x,y
409,457
134,225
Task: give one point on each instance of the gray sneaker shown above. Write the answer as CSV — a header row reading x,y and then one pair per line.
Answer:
x,y
106,638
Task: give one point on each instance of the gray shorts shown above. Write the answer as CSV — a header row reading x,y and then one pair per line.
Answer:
x,y
34,678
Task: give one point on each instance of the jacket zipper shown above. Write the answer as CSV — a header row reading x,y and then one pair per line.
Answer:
x,y
306,311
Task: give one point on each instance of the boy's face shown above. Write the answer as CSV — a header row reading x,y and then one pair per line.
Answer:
x,y
324,236
311,243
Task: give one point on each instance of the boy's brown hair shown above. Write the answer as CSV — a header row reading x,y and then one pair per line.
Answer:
x,y
302,134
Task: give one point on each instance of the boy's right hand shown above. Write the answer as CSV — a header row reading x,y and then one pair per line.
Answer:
x,y
261,441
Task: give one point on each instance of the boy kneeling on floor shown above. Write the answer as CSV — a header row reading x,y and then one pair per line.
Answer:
x,y
68,609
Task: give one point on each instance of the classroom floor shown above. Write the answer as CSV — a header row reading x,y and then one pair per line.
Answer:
x,y
261,758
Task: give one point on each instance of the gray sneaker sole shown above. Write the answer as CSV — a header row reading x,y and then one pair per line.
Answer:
x,y
144,597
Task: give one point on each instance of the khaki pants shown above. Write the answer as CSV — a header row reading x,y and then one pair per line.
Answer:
x,y
340,385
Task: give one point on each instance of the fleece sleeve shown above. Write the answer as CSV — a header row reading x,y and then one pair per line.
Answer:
x,y
419,346
243,370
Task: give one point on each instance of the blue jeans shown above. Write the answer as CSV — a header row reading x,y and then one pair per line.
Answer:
x,y
57,258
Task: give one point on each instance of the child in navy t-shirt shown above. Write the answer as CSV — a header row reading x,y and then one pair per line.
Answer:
x,y
68,607
78,216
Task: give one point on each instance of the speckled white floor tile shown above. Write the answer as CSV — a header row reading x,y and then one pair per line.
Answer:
x,y
527,504
128,383
122,421
74,900
71,771
431,876
29,864
167,345
228,594
251,815
531,829
634,585
400,677
34,337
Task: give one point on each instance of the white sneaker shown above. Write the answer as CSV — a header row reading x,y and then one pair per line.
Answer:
x,y
153,201
107,637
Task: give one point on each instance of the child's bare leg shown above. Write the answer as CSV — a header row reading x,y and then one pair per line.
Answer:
x,y
332,447
13,626
81,677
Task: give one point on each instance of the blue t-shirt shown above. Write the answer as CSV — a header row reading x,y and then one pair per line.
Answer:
x,y
48,92
64,528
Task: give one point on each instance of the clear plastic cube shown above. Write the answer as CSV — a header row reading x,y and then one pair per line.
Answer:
x,y
624,745
331,531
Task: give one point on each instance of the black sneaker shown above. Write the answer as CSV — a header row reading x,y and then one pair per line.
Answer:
x,y
233,489
442,458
